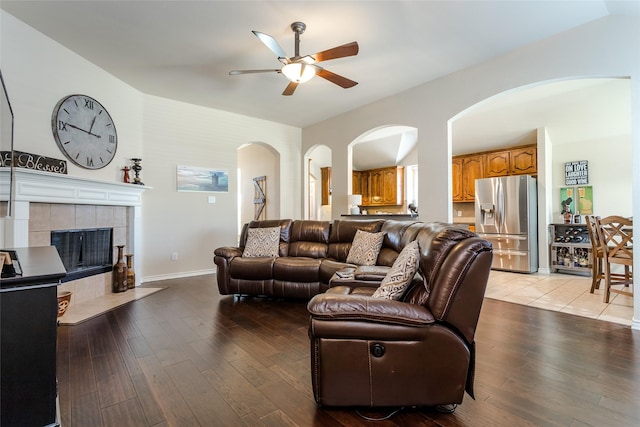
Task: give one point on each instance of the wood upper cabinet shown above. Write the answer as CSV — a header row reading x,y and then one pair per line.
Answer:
x,y
467,168
325,174
524,161
356,182
497,163
472,169
456,178
380,187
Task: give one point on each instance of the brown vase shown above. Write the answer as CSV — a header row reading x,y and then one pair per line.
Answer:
x,y
131,274
119,273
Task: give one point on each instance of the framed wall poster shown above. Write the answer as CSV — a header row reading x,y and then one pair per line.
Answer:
x,y
189,178
567,199
585,200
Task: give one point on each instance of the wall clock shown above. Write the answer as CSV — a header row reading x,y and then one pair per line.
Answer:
x,y
84,131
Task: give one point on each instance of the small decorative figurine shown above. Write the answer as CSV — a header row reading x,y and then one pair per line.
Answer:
x,y
125,177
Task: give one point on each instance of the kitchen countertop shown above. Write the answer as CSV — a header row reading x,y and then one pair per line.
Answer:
x,y
382,216
464,220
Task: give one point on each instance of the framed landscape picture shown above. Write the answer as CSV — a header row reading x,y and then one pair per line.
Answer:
x,y
191,178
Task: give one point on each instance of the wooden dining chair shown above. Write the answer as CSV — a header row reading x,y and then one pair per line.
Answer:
x,y
597,265
616,240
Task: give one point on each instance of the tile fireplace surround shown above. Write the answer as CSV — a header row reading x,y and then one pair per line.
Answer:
x,y
44,202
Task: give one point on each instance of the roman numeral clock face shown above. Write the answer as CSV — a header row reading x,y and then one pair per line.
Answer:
x,y
84,131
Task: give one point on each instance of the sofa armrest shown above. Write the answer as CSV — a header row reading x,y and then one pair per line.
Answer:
x,y
371,272
228,252
339,307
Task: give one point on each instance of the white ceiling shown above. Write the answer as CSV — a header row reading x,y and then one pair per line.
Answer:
x,y
183,50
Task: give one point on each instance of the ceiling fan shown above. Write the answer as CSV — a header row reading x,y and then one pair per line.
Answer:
x,y
299,69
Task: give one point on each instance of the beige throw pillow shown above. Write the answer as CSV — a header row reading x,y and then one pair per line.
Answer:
x,y
365,248
262,242
401,274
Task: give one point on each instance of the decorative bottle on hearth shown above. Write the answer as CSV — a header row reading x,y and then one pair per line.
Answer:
x,y
131,274
119,283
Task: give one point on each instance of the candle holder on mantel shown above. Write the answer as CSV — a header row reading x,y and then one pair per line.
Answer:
x,y
136,169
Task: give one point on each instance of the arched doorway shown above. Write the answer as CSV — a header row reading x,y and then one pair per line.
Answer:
x,y
570,120
382,147
318,189
257,160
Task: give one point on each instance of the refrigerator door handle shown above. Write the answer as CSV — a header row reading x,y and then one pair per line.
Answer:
x,y
500,206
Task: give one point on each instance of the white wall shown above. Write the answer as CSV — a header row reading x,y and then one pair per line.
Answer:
x,y
164,133
605,48
610,174
39,72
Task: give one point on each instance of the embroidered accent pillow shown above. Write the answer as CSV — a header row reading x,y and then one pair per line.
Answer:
x,y
262,242
365,248
397,280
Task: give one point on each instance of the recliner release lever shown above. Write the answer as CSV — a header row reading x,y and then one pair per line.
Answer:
x,y
377,350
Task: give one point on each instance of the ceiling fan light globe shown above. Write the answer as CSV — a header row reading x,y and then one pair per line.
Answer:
x,y
298,72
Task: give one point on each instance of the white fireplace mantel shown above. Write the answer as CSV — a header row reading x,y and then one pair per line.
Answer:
x,y
36,186
42,187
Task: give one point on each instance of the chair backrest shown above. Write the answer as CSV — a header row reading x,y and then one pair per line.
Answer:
x,y
309,238
616,236
592,227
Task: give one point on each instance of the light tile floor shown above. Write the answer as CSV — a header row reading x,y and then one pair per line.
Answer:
x,y
559,292
80,312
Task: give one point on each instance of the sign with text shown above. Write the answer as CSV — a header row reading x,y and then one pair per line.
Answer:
x,y
576,173
32,161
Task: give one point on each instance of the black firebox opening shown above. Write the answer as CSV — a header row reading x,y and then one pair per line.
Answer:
x,y
84,252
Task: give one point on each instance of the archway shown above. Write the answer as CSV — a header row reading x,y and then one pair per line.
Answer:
x,y
257,160
570,120
381,147
318,188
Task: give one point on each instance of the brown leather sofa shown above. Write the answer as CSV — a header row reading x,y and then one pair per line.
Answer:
x,y
310,253
418,351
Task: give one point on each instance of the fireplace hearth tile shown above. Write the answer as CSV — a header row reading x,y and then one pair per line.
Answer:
x,y
81,312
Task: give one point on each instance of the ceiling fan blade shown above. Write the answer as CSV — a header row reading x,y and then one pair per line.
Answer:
x,y
336,78
348,49
272,44
236,72
291,87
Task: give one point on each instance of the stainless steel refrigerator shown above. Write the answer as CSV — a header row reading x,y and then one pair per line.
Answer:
x,y
506,215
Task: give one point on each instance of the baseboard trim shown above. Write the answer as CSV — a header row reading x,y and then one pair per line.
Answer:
x,y
183,274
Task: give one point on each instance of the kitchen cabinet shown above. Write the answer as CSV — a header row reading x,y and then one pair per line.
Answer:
x,y
524,161
325,180
356,182
472,169
380,187
467,168
497,163
456,178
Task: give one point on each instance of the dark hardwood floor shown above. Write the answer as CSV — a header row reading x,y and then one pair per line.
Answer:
x,y
187,356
